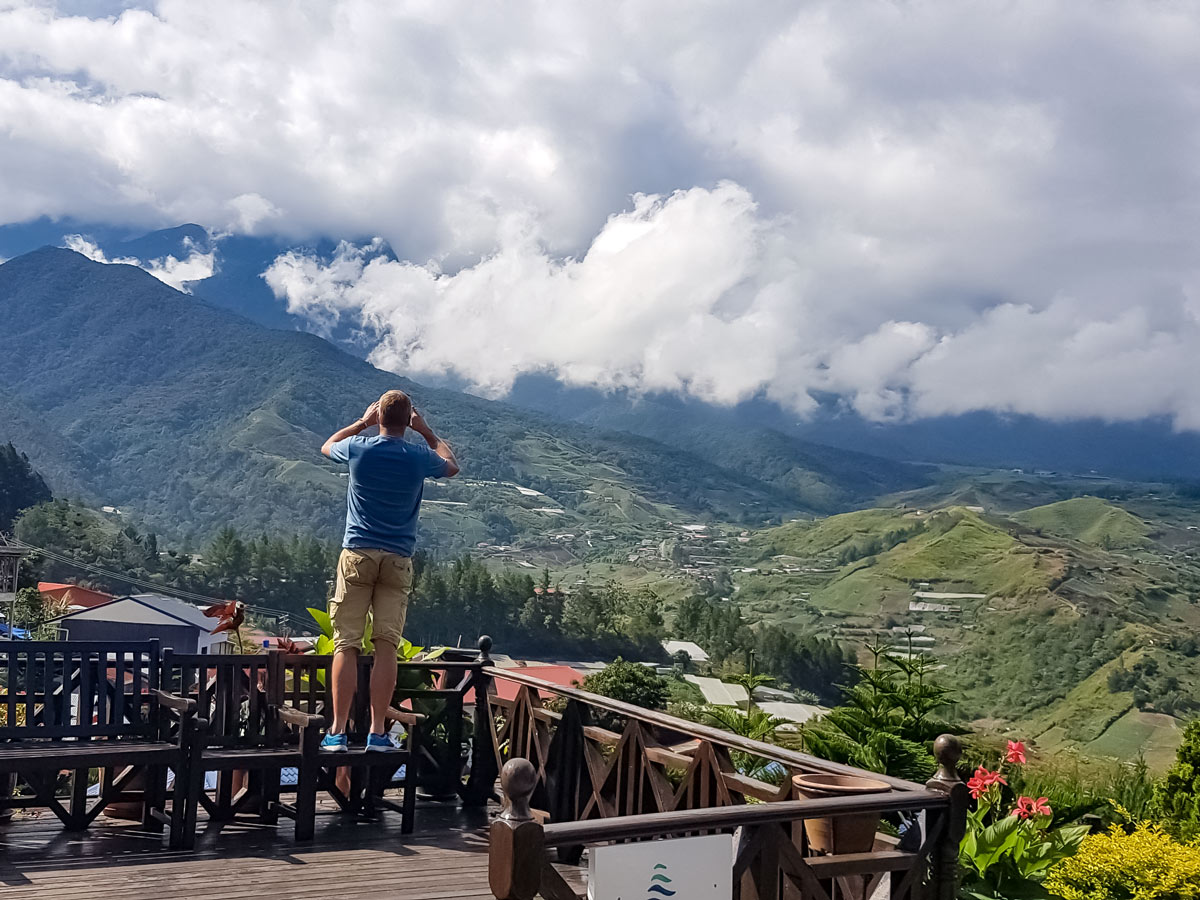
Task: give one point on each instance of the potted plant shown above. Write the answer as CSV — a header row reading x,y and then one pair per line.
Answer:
x,y
840,834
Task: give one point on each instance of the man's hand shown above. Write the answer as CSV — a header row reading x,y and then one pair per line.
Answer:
x,y
418,424
371,416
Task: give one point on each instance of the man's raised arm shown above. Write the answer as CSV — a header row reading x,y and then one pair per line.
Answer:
x,y
436,444
369,418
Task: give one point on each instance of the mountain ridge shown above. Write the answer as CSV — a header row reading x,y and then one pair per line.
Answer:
x,y
163,401
1149,448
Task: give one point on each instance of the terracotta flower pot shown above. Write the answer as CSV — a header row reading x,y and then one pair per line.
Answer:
x,y
844,834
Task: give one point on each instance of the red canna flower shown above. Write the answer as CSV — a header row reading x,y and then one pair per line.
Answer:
x,y
1016,753
1028,807
982,780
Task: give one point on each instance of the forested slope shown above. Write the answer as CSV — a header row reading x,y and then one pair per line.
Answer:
x,y
131,393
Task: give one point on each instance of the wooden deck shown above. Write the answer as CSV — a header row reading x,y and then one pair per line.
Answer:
x,y
445,858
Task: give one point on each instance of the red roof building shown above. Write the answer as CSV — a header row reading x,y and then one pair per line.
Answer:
x,y
563,676
73,594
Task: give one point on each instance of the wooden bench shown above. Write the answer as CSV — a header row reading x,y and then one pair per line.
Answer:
x,y
306,707
245,741
265,713
83,705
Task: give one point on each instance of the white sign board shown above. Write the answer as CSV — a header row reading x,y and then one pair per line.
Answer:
x,y
694,868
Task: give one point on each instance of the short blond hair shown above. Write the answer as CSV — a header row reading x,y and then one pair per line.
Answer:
x,y
395,410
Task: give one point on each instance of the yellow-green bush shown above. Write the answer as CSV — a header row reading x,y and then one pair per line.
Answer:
x,y
1144,865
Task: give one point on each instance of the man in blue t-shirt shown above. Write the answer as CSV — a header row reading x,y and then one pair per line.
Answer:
x,y
375,573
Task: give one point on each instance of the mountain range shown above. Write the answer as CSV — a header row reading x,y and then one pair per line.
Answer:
x,y
1147,449
189,417
129,393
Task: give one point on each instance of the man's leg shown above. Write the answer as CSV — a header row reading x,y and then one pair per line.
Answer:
x,y
348,609
345,683
389,606
383,684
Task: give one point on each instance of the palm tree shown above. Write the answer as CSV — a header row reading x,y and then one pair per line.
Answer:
x,y
750,681
756,725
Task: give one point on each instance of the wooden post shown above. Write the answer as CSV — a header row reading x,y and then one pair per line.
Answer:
x,y
516,848
943,863
306,783
481,783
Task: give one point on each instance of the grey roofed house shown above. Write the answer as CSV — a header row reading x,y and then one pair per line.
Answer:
x,y
141,617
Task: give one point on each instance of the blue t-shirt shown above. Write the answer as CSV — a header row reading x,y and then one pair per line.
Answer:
x,y
383,498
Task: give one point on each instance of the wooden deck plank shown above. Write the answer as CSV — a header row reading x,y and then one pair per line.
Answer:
x,y
446,859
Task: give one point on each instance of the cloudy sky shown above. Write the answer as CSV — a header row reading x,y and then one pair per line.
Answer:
x,y
926,207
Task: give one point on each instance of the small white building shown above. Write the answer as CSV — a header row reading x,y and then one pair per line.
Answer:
x,y
717,692
793,712
694,651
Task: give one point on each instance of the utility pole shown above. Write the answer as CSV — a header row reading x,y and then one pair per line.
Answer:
x,y
750,683
10,563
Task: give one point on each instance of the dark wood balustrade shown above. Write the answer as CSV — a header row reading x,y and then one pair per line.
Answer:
x,y
569,783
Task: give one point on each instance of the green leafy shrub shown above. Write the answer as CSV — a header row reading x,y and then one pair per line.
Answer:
x,y
756,725
628,682
1177,796
888,721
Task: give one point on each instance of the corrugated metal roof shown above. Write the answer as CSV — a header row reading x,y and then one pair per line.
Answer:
x,y
793,712
717,692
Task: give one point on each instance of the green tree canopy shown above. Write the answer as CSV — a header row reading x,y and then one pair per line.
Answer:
x,y
20,485
1177,796
629,682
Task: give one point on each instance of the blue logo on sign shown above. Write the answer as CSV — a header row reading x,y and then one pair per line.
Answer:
x,y
658,883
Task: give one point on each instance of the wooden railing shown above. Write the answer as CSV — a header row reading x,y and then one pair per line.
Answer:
x,y
569,784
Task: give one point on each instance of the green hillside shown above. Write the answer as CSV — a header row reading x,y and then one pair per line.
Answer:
x,y
818,478
956,552
128,393
1098,722
878,556
138,396
822,537
1069,639
1088,519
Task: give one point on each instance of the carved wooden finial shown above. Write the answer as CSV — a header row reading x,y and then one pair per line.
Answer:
x,y
485,646
516,841
947,749
518,778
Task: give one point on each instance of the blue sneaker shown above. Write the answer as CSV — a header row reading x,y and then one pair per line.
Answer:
x,y
334,743
379,743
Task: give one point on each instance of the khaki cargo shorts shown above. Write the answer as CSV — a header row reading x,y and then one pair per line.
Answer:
x,y
374,581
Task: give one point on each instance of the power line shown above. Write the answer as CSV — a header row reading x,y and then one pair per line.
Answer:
x,y
179,593
168,590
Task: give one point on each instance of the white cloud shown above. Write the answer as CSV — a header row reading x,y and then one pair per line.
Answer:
x,y
178,273
700,293
928,207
